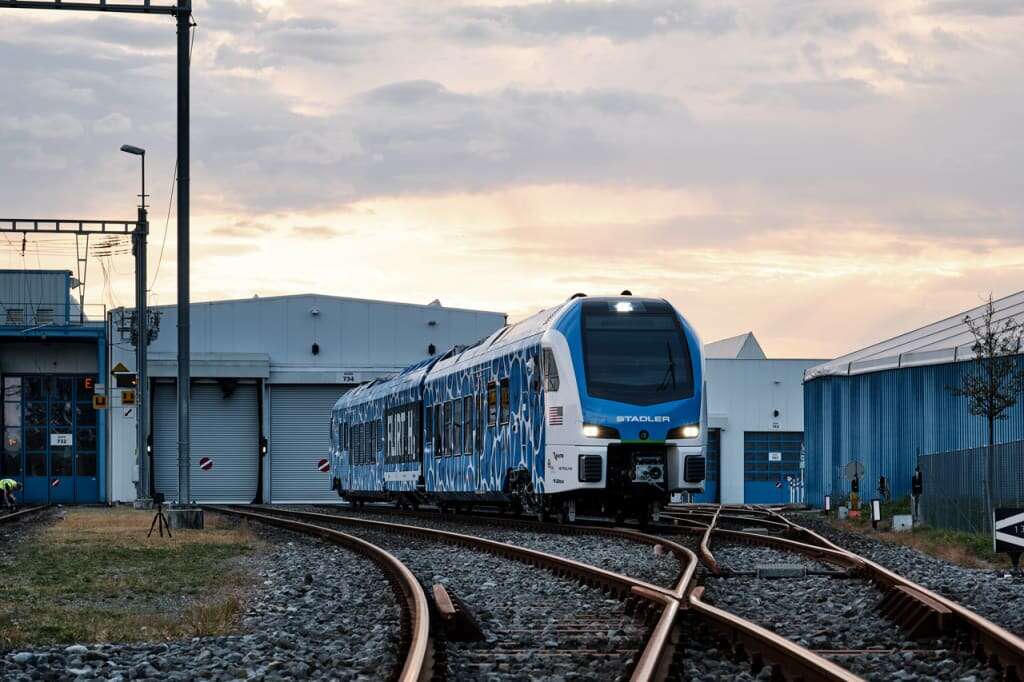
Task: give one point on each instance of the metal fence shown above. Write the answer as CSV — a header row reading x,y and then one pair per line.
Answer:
x,y
953,495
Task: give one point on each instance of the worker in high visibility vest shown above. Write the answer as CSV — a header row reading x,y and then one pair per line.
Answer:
x,y
8,486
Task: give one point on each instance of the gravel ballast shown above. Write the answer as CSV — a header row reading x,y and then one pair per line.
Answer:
x,y
835,614
536,625
635,559
993,594
319,612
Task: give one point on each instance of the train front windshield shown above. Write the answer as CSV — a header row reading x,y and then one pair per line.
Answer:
x,y
635,353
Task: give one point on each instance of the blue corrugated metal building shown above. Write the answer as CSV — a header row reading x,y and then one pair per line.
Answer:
x,y
886,404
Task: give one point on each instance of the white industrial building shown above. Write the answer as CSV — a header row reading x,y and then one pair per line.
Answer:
x,y
266,372
755,423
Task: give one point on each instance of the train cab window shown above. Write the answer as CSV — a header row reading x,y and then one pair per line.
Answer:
x,y
492,404
550,370
457,426
467,424
503,402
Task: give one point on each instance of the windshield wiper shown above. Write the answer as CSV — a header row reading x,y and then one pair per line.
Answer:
x,y
670,371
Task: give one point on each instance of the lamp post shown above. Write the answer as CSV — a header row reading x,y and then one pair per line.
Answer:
x,y
141,331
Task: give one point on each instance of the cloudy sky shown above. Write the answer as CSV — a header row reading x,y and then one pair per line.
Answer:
x,y
825,174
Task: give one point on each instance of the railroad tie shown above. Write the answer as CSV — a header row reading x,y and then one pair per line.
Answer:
x,y
458,621
918,614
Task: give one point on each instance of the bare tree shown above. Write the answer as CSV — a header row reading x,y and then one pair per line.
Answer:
x,y
995,383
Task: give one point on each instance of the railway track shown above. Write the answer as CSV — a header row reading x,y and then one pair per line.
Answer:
x,y
683,623
415,613
931,625
22,513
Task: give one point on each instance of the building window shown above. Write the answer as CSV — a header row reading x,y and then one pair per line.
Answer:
x,y
503,403
758,461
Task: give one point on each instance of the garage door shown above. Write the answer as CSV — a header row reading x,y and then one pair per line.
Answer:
x,y
225,429
299,439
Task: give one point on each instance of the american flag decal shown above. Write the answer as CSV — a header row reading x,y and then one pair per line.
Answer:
x,y
555,415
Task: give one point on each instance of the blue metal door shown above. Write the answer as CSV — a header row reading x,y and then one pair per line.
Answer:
x,y
50,437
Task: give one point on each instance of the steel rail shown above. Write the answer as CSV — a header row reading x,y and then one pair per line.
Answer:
x,y
656,656
998,643
22,512
764,645
753,520
418,660
705,546
654,663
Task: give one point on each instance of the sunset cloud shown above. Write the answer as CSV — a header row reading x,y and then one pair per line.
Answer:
x,y
824,174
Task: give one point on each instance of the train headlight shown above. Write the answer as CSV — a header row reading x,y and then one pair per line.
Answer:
x,y
688,431
598,431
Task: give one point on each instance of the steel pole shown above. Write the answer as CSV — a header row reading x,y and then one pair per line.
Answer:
x,y
184,16
142,333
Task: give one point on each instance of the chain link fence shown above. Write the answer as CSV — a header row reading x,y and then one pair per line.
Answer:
x,y
953,490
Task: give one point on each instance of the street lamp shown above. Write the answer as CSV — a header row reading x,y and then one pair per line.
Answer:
x,y
141,331
140,152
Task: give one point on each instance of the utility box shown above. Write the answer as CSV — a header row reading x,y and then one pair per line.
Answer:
x,y
843,512
902,523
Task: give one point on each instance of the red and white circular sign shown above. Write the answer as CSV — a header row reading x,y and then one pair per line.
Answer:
x,y
205,463
55,483
323,465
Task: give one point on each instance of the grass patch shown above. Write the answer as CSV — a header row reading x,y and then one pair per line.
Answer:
x,y
94,576
972,550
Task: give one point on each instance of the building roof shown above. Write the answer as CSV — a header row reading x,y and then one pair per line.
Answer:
x,y
948,340
742,347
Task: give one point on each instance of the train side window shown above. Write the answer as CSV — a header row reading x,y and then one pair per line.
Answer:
x,y
417,444
480,425
446,431
407,433
503,404
371,440
437,430
392,450
550,368
353,441
492,404
467,424
457,426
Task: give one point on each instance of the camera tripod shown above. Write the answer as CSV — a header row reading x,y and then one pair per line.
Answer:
x,y
159,520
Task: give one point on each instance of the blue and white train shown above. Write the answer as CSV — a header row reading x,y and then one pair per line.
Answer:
x,y
595,406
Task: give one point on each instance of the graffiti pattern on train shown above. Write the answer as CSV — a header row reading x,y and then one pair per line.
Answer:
x,y
515,441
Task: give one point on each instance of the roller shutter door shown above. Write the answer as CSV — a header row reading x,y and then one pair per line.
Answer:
x,y
224,429
299,439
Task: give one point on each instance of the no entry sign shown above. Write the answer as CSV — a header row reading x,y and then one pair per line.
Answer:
x,y
205,463
323,465
1009,530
